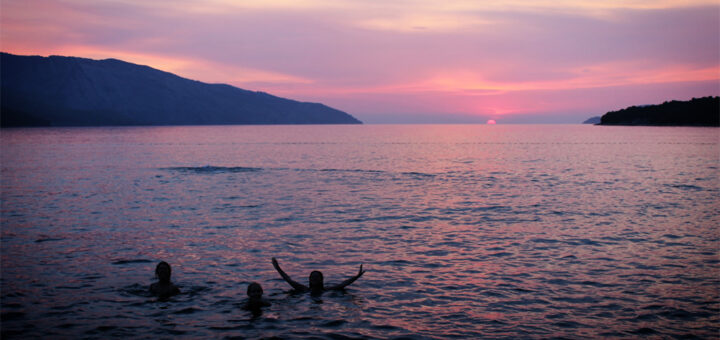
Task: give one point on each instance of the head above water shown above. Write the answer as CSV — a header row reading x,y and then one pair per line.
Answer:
x,y
254,290
316,280
163,271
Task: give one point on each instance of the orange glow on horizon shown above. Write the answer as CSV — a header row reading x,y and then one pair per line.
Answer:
x,y
452,84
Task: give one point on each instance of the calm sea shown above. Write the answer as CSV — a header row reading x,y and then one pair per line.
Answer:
x,y
467,231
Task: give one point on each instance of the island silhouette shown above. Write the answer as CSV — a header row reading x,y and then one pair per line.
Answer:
x,y
71,91
703,111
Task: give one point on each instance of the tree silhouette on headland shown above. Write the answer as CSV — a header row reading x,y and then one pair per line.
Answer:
x,y
696,112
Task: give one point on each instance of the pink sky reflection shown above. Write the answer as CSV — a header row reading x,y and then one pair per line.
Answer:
x,y
425,61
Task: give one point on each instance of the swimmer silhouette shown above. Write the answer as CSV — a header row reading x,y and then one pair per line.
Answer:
x,y
163,288
255,299
315,280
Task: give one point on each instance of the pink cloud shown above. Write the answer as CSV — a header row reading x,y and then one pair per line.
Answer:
x,y
460,58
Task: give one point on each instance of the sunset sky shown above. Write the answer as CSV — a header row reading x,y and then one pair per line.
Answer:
x,y
402,61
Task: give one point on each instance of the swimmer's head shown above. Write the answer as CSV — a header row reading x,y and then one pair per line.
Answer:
x,y
163,271
254,290
316,280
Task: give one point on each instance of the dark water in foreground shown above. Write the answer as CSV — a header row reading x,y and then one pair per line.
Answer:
x,y
465,231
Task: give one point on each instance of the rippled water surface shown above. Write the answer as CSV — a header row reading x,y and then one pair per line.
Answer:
x,y
465,231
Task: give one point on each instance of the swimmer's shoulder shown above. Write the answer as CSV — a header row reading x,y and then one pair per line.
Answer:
x,y
164,290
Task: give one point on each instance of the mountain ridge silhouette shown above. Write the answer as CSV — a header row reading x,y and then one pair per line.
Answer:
x,y
74,91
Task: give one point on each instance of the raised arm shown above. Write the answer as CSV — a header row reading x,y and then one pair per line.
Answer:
x,y
347,282
287,278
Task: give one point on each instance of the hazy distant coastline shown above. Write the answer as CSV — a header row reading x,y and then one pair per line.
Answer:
x,y
70,91
592,120
696,112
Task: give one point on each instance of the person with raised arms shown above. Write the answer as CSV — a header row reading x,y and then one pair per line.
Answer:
x,y
315,280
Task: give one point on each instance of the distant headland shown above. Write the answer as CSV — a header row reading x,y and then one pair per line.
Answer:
x,y
592,120
696,112
71,91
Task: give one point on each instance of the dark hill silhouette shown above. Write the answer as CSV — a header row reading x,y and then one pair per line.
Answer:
x,y
70,91
696,112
